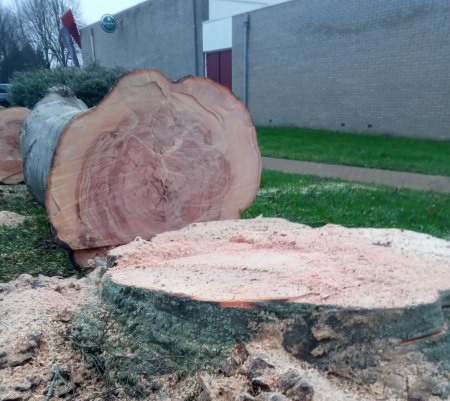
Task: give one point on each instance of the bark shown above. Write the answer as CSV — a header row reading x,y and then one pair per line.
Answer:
x,y
40,135
11,121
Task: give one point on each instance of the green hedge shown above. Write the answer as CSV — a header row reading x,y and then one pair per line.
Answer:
x,y
90,83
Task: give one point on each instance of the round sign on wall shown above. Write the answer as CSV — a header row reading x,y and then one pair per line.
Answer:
x,y
108,23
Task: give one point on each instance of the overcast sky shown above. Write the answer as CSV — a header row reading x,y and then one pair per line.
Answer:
x,y
93,10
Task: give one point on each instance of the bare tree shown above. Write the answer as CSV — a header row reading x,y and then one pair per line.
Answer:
x,y
40,21
16,52
8,32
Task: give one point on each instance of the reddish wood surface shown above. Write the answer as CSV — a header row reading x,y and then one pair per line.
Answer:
x,y
245,262
10,158
153,156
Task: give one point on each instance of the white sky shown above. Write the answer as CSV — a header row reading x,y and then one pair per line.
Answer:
x,y
93,10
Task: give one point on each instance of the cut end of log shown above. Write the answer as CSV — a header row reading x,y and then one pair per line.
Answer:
x,y
240,263
11,120
153,156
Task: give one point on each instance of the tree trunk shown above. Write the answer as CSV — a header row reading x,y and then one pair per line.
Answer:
x,y
345,300
40,135
154,156
11,121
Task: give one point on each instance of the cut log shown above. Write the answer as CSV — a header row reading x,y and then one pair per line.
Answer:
x,y
344,300
11,121
153,156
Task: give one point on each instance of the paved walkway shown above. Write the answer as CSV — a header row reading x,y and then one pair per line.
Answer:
x,y
386,177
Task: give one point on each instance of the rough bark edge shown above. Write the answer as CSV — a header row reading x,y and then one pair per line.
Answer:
x,y
152,335
47,144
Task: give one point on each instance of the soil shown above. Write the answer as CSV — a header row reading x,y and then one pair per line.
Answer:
x,y
37,361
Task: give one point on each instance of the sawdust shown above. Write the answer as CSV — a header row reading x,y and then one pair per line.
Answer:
x,y
34,347
10,219
264,259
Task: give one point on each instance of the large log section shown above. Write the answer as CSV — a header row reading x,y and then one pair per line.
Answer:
x,y
154,156
11,121
350,301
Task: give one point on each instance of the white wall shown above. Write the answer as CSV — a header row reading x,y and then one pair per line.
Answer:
x,y
217,34
218,31
227,8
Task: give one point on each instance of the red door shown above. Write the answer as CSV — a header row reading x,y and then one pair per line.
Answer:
x,y
218,67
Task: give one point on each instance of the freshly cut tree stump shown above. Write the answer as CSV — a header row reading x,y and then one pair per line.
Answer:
x,y
154,156
11,121
342,299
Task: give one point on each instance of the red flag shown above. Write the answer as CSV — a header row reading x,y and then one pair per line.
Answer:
x,y
69,22
68,42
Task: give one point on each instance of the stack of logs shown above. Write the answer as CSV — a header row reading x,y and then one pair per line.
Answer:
x,y
153,156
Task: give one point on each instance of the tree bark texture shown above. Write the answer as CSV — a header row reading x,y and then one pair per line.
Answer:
x,y
40,136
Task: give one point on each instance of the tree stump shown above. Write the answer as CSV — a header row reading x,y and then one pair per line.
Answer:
x,y
154,156
10,157
341,299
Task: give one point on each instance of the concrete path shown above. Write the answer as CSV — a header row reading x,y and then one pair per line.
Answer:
x,y
386,177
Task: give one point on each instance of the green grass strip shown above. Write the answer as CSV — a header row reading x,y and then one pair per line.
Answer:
x,y
402,154
318,201
30,247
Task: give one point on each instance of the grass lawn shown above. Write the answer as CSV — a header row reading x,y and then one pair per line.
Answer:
x,y
30,247
402,154
318,201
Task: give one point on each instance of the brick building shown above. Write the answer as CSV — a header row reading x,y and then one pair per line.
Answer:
x,y
370,66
